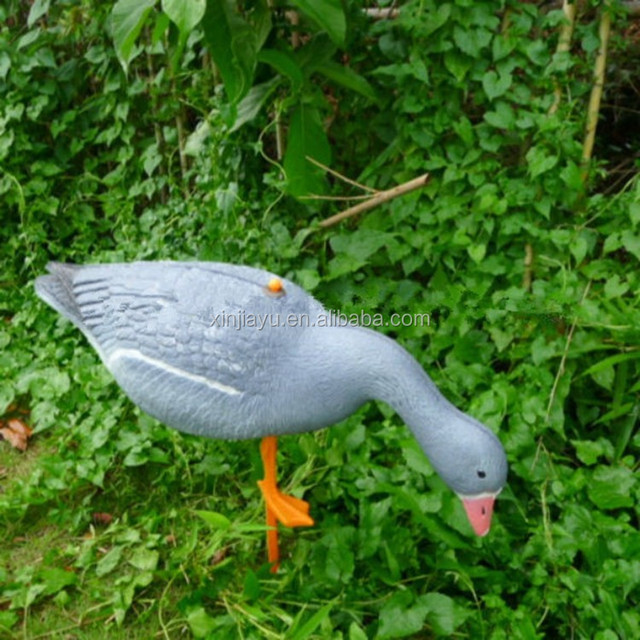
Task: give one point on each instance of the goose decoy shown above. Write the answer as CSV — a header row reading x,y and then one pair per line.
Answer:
x,y
234,352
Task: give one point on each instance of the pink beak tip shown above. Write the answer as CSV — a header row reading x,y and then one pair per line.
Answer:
x,y
479,512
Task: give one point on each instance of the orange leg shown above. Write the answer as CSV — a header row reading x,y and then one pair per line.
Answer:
x,y
273,548
290,511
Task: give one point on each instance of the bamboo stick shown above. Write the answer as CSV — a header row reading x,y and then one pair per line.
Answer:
x,y
382,13
528,267
596,91
564,44
632,7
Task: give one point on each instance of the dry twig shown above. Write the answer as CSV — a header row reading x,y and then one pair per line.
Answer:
x,y
376,199
565,354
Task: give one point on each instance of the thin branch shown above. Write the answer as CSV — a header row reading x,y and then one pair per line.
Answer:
x,y
182,140
338,175
618,107
379,198
565,354
338,198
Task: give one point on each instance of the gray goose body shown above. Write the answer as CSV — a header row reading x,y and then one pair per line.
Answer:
x,y
171,334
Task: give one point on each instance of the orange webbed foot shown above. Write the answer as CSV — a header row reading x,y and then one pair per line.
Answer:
x,y
290,511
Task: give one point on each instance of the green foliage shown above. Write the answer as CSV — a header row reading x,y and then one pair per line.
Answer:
x,y
242,44
127,19
527,273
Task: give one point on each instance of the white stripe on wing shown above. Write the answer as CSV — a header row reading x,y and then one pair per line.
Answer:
x,y
134,354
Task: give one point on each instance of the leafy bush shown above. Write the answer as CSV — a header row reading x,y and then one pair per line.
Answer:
x,y
525,262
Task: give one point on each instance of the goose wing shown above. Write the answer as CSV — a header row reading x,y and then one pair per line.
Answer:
x,y
213,323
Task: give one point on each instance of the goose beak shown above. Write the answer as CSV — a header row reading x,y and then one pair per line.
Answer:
x,y
479,511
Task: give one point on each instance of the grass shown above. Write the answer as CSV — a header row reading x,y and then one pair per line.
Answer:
x,y
139,521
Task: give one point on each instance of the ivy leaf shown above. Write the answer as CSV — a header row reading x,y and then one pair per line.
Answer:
x,y
572,176
614,288
502,117
578,247
55,579
328,15
604,377
588,451
631,242
537,51
38,9
354,250
435,17
252,103
457,63
9,618
109,562
185,14
144,559
355,632
477,252
471,41
540,161
197,138
610,487
502,46
127,20
495,85
401,617
612,242
200,622
443,614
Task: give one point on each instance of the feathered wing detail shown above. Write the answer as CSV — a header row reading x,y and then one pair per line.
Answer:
x,y
56,290
169,330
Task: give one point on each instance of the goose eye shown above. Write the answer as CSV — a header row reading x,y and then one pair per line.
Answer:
x,y
482,474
